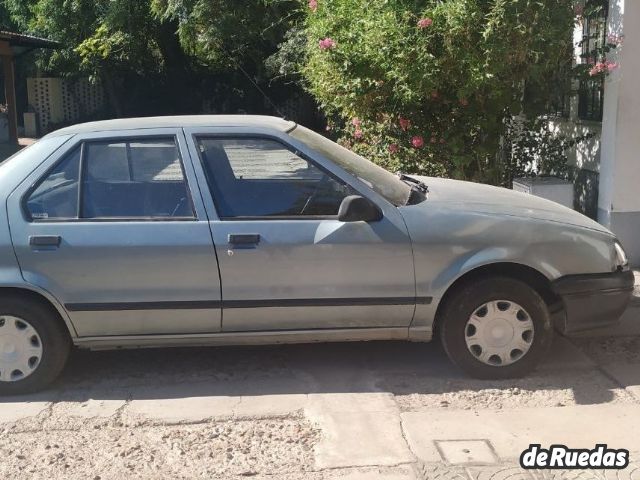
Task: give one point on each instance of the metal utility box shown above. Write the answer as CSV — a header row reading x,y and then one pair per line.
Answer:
x,y
551,188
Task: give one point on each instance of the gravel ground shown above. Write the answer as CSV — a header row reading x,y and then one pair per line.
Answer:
x,y
98,450
55,445
611,350
559,390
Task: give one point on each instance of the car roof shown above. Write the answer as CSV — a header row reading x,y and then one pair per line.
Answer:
x,y
179,121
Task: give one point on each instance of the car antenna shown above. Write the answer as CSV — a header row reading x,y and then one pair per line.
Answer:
x,y
262,92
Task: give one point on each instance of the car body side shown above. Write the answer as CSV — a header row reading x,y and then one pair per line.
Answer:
x,y
449,240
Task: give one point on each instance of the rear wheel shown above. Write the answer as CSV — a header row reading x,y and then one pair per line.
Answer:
x,y
496,328
34,346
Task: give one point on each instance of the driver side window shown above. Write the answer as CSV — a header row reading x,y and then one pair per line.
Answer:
x,y
262,178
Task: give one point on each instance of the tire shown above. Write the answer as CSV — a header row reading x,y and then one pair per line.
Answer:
x,y
21,319
493,343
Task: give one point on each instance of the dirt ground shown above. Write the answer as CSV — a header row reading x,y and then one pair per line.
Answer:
x,y
134,414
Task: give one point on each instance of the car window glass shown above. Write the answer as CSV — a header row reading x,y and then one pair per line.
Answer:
x,y
141,178
57,194
263,178
375,177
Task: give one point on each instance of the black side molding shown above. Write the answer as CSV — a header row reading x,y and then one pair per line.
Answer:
x,y
265,303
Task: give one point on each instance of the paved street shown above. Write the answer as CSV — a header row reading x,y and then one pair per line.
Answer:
x,y
385,410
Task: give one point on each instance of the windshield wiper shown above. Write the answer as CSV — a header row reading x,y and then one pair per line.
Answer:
x,y
414,182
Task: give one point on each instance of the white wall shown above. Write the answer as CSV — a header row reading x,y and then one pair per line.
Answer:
x,y
619,195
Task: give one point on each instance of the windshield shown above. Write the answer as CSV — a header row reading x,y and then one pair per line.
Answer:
x,y
377,178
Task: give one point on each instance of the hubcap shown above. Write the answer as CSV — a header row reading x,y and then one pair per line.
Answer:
x,y
20,349
499,333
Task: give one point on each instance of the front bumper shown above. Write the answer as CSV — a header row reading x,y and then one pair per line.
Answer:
x,y
593,300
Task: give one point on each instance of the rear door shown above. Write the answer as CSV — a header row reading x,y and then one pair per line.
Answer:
x,y
115,229
286,261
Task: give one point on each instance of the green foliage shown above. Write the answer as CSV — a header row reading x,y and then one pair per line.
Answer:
x,y
95,33
535,149
222,33
455,77
135,54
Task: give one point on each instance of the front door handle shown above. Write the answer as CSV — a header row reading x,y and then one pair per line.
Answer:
x,y
245,239
45,240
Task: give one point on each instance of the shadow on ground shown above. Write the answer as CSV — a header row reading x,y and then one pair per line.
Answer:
x,y
419,373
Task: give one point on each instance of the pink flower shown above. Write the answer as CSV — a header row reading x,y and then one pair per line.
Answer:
x,y
442,140
356,122
405,123
394,148
433,140
603,67
313,5
327,43
417,141
614,39
425,22
358,134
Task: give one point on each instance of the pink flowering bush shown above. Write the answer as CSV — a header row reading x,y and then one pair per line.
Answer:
x,y
598,61
327,44
432,82
602,67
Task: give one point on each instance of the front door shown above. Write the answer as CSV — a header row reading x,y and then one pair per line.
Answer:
x,y
110,228
286,262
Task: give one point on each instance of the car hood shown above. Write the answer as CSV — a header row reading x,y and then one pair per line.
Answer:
x,y
496,200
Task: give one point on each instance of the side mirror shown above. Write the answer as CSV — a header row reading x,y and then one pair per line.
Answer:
x,y
355,208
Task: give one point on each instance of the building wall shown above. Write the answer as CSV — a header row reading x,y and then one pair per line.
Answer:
x,y
619,201
607,182
58,101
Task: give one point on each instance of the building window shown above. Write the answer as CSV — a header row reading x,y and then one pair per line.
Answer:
x,y
591,91
560,102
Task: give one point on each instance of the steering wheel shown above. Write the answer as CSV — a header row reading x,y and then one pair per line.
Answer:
x,y
318,188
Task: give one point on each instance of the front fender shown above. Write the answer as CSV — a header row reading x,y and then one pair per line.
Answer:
x,y
449,243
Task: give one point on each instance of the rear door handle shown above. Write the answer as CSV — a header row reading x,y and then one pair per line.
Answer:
x,y
45,240
244,239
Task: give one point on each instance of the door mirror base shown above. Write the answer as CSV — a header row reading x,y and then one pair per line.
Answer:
x,y
355,208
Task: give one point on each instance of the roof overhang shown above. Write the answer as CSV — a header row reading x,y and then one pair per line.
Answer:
x,y
16,44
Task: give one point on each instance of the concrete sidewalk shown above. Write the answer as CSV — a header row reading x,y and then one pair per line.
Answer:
x,y
388,410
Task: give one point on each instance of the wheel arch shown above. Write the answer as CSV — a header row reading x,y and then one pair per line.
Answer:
x,y
517,271
43,298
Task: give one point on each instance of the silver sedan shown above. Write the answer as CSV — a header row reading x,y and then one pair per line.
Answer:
x,y
212,230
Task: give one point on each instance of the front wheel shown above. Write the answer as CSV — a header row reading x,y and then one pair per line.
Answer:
x,y
33,346
496,328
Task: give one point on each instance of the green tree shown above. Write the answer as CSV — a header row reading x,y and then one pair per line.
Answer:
x,y
425,86
242,44
121,42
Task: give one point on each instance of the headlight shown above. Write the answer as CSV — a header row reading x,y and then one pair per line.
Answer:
x,y
621,257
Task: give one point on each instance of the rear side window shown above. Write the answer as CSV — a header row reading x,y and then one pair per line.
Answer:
x,y
140,178
57,195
